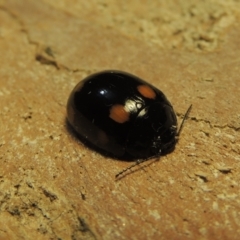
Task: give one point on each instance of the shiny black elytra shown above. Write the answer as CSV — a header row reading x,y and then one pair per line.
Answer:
x,y
122,116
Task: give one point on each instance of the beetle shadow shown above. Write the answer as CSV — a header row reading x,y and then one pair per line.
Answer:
x,y
93,147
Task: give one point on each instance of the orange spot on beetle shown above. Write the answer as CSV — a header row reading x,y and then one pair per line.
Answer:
x,y
119,114
146,91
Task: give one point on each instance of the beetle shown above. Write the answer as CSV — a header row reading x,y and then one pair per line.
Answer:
x,y
123,116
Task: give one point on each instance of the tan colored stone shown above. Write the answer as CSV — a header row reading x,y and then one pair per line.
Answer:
x,y
53,187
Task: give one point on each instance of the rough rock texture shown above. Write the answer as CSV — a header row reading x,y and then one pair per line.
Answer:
x,y
52,186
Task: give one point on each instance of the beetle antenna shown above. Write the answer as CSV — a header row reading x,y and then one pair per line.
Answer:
x,y
128,168
139,161
184,118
